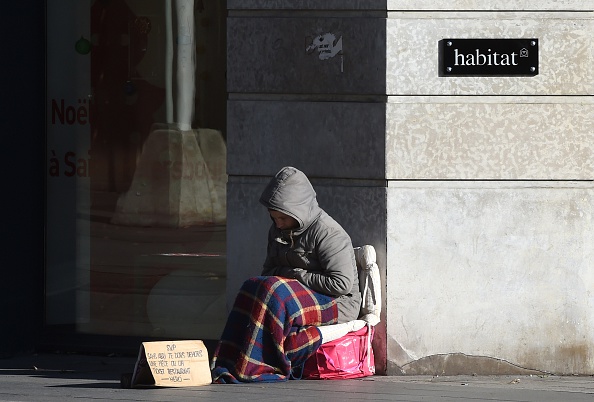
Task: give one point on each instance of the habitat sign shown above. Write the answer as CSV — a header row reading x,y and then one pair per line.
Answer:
x,y
488,57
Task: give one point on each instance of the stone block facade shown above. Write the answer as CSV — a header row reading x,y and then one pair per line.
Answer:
x,y
476,191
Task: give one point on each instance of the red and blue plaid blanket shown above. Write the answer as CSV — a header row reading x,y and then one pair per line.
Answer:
x,y
270,330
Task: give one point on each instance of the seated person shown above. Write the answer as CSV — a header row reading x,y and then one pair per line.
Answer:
x,y
309,280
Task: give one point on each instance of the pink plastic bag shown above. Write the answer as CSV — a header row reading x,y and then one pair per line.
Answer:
x,y
348,357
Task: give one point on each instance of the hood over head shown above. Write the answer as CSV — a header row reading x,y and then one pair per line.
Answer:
x,y
291,193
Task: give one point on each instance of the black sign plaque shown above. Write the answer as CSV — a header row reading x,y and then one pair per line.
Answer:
x,y
488,57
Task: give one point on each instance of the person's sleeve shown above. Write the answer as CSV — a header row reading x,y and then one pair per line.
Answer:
x,y
337,259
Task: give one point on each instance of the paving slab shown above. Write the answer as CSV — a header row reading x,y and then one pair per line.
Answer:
x,y
72,377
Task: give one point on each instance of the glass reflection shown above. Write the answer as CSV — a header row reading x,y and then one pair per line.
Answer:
x,y
136,236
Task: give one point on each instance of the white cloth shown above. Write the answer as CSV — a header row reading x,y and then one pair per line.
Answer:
x,y
332,332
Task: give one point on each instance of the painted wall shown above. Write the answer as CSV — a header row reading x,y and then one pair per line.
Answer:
x,y
476,191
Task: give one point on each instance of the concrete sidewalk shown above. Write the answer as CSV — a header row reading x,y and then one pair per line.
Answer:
x,y
68,377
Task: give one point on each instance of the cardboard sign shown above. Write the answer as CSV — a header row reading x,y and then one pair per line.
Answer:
x,y
172,364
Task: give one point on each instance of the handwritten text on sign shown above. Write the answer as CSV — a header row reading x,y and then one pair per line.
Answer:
x,y
178,363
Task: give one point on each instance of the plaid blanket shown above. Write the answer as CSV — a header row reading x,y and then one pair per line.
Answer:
x,y
270,330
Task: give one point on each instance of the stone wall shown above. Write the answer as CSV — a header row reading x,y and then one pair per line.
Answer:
x,y
490,192
291,103
476,191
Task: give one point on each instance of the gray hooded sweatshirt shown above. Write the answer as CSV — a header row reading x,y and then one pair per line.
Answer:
x,y
319,252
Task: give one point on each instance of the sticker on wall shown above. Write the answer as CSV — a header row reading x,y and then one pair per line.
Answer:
x,y
327,46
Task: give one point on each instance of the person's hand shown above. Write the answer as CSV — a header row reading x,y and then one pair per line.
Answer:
x,y
296,273
289,272
285,272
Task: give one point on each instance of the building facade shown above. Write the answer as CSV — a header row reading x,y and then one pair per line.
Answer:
x,y
456,138
472,179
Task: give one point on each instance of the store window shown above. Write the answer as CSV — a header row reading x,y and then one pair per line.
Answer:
x,y
136,158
